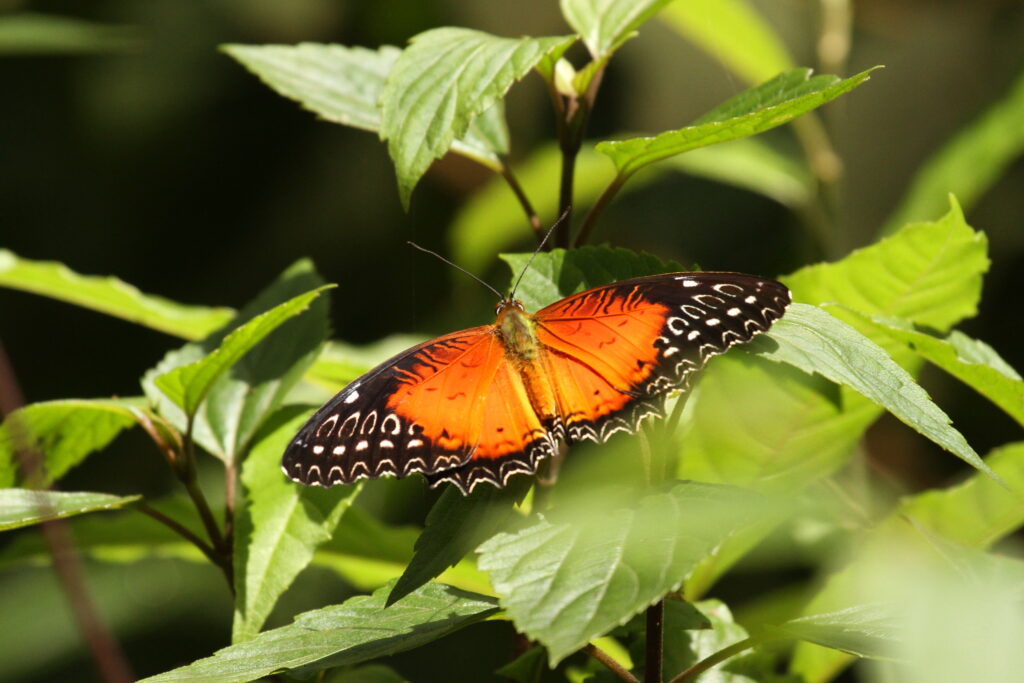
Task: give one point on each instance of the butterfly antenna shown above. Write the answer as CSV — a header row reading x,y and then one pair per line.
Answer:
x,y
537,250
457,267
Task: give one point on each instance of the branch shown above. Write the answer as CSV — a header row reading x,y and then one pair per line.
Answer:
x,y
609,663
717,658
595,210
655,648
524,201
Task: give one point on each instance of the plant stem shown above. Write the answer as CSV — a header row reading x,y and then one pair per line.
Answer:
x,y
609,663
595,210
655,642
717,658
565,193
524,201
178,528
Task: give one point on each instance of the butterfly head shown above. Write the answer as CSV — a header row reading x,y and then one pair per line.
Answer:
x,y
515,326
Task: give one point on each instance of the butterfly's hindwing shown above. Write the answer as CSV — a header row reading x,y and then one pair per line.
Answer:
x,y
616,351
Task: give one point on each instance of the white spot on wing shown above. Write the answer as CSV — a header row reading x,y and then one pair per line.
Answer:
x,y
352,398
339,450
733,312
318,449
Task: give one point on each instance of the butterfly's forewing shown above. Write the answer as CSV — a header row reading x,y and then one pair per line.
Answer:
x,y
615,351
420,411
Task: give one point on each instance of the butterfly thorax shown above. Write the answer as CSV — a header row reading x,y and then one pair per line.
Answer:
x,y
515,326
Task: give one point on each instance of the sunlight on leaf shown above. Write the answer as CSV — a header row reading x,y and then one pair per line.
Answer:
x,y
767,106
810,339
566,582
358,630
109,295
440,84
63,433
279,524
25,507
605,24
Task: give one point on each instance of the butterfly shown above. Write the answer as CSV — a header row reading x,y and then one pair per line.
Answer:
x,y
484,404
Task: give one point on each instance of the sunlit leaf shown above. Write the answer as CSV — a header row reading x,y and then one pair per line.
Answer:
x,y
869,630
605,24
445,79
25,507
810,339
566,582
767,106
29,33
356,631
62,433
279,525
109,295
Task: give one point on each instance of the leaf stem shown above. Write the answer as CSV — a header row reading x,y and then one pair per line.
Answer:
x,y
717,658
595,210
178,528
655,648
609,663
524,201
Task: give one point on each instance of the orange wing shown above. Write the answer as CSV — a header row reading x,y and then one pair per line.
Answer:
x,y
613,352
452,408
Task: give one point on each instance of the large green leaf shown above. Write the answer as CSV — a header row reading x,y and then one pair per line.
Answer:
x,y
343,85
62,433
279,524
812,340
929,273
445,79
356,631
109,295
968,164
240,399
971,361
566,582
25,507
188,385
868,630
767,106
605,24
734,32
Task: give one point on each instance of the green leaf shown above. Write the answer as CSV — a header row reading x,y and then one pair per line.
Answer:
x,y
240,399
982,369
356,631
969,164
29,33
605,24
62,433
566,582
188,385
869,630
735,33
810,339
929,273
279,524
444,80
340,84
25,507
109,295
455,526
978,512
344,84
559,272
767,106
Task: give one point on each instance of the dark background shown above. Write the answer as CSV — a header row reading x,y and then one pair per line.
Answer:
x,y
171,167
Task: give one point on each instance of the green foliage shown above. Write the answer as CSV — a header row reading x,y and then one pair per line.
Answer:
x,y
356,631
758,466
25,507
